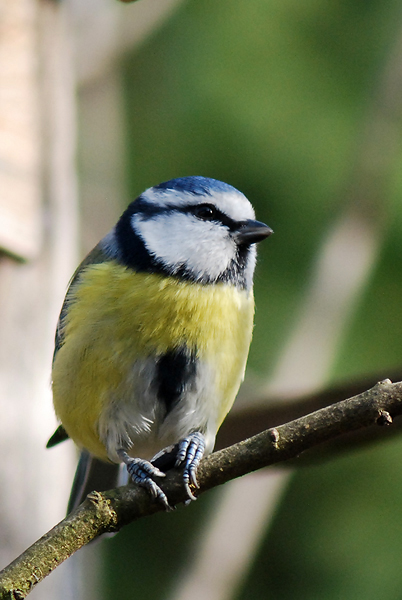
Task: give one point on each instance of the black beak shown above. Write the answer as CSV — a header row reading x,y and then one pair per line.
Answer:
x,y
251,232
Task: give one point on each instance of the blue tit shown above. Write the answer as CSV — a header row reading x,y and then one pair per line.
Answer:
x,y
154,333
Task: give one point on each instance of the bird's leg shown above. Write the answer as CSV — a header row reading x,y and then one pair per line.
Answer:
x,y
141,471
190,452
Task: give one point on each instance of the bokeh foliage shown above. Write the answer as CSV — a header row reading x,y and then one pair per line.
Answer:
x,y
272,98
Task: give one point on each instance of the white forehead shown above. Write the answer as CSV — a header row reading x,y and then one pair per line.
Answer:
x,y
232,202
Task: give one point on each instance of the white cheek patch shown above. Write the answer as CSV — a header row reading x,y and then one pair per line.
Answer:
x,y
181,240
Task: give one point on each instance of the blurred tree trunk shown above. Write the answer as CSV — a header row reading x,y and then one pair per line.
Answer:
x,y
38,215
39,236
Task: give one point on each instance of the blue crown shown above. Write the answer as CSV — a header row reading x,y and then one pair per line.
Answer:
x,y
197,185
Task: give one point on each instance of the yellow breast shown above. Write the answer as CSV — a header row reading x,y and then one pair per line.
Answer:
x,y
117,316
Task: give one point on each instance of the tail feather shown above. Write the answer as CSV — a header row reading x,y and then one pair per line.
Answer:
x,y
92,474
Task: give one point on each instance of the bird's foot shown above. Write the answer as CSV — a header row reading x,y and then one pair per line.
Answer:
x,y
141,472
190,452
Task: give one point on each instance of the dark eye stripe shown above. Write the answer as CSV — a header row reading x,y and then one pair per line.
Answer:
x,y
209,212
212,213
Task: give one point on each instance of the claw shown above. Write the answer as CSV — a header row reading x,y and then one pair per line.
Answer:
x,y
141,471
191,450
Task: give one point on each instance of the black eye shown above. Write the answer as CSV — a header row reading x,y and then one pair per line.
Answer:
x,y
206,212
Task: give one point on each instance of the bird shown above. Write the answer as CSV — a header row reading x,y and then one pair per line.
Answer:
x,y
154,333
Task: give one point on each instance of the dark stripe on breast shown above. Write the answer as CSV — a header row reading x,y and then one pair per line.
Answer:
x,y
175,375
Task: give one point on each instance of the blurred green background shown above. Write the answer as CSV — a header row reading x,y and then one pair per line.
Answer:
x,y
275,98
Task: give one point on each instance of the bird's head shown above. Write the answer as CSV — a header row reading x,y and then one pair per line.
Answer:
x,y
194,228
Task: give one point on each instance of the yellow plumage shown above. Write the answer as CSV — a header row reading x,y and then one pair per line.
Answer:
x,y
117,316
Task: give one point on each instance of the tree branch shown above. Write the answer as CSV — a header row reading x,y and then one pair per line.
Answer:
x,y
109,511
270,412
